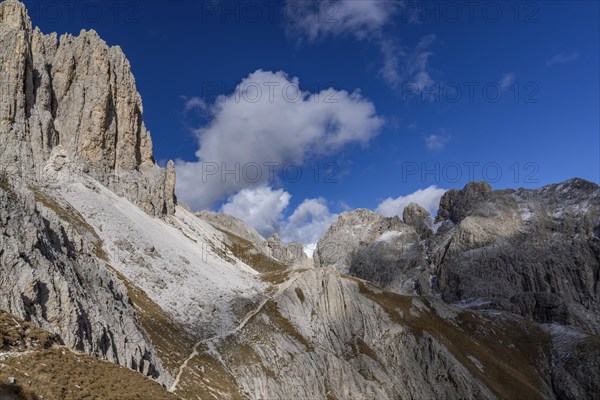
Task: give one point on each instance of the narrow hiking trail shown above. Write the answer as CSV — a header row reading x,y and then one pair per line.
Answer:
x,y
282,287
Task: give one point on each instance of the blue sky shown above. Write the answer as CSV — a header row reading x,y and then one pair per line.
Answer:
x,y
413,85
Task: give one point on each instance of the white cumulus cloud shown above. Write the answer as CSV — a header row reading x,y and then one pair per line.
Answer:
x,y
264,208
261,207
269,120
428,198
308,223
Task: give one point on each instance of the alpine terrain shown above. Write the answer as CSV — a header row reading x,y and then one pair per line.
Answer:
x,y
111,289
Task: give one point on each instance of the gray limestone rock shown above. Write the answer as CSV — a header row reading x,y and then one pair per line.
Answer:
x,y
290,254
532,252
382,250
54,273
419,218
79,93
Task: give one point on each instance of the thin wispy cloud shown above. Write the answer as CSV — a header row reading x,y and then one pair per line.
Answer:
x,y
359,18
418,61
507,80
562,58
194,103
436,142
367,20
392,54
409,66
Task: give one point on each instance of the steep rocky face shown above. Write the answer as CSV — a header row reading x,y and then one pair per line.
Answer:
x,y
382,250
291,254
456,204
78,93
34,366
325,335
498,299
54,273
532,252
419,218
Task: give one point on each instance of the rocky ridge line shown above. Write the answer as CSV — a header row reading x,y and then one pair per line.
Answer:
x,y
71,105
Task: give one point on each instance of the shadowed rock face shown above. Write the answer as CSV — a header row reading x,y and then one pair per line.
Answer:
x,y
419,218
178,289
54,273
531,252
382,250
75,98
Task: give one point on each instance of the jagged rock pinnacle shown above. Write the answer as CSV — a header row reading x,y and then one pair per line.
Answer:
x,y
79,93
13,14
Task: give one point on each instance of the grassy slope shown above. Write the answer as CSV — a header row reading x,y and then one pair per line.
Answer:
x,y
512,351
44,369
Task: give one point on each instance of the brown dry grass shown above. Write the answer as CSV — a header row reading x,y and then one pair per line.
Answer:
x,y
43,369
271,271
281,324
173,344
18,335
509,371
208,378
204,375
60,374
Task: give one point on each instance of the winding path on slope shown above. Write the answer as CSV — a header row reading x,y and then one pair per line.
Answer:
x,y
241,325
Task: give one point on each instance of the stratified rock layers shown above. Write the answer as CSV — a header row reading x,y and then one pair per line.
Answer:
x,y
75,98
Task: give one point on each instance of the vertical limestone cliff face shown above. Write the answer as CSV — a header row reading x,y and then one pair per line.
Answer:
x,y
531,252
69,107
78,93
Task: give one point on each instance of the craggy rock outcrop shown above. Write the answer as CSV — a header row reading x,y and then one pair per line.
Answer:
x,y
382,250
54,274
325,335
291,254
499,299
78,93
419,218
531,252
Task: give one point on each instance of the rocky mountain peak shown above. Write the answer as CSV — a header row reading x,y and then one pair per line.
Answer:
x,y
419,218
79,93
455,204
13,15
